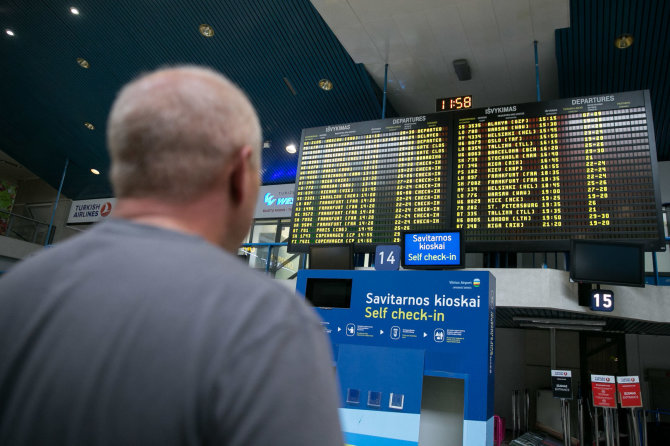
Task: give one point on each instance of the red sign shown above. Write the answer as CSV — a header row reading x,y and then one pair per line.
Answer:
x,y
106,209
629,391
603,388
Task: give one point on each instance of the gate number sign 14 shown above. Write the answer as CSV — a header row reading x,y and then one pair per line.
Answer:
x,y
387,257
602,300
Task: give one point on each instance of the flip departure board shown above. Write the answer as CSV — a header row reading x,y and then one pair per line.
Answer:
x,y
524,177
532,176
365,183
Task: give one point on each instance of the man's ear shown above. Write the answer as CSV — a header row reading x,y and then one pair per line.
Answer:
x,y
239,175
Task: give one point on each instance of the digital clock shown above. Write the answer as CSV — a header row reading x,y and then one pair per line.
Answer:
x,y
455,103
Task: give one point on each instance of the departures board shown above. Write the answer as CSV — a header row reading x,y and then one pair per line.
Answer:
x,y
365,183
521,177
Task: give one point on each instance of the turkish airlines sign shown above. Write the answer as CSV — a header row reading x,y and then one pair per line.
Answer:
x,y
603,388
90,211
561,383
629,391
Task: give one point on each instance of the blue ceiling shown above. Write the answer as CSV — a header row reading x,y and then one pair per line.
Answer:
x,y
45,96
589,63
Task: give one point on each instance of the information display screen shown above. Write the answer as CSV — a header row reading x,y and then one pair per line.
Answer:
x,y
432,250
365,183
543,173
524,177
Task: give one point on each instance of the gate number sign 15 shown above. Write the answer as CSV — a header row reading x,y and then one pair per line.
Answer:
x,y
602,300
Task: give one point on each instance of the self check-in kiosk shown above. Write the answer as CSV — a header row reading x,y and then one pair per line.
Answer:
x,y
389,329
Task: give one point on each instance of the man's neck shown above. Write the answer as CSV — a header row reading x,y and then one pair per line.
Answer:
x,y
198,217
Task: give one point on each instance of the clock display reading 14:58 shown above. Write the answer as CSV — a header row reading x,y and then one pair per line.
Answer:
x,y
454,103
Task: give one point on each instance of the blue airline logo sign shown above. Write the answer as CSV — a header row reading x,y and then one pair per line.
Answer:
x,y
270,200
275,201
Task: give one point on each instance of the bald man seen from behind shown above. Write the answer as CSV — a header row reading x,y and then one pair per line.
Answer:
x,y
147,329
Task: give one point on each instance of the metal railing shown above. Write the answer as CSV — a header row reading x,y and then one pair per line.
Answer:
x,y
655,414
23,228
274,259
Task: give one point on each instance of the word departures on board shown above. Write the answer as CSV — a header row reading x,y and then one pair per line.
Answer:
x,y
524,177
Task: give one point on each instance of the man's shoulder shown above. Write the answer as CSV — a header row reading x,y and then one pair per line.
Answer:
x,y
148,256
106,242
169,272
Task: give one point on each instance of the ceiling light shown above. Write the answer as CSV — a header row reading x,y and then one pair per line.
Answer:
x,y
83,62
560,323
562,327
74,10
206,30
291,148
89,126
326,84
547,320
289,85
623,41
95,171
462,69
9,32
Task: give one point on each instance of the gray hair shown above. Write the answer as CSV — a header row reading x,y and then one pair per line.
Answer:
x,y
171,132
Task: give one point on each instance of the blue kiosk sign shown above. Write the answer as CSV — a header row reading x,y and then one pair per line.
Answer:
x,y
393,328
432,249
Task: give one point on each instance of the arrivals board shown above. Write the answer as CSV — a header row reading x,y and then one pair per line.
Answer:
x,y
523,177
532,176
365,183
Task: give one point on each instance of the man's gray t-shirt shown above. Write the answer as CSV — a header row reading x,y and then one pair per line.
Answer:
x,y
135,335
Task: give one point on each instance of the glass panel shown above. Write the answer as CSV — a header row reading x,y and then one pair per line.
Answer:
x,y
284,233
245,252
284,264
662,258
262,233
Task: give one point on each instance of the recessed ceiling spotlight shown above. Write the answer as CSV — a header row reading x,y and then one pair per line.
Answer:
x,y
206,30
83,62
89,126
95,171
9,32
74,10
291,148
623,41
326,84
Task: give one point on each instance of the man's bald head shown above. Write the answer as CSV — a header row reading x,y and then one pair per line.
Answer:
x,y
171,132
